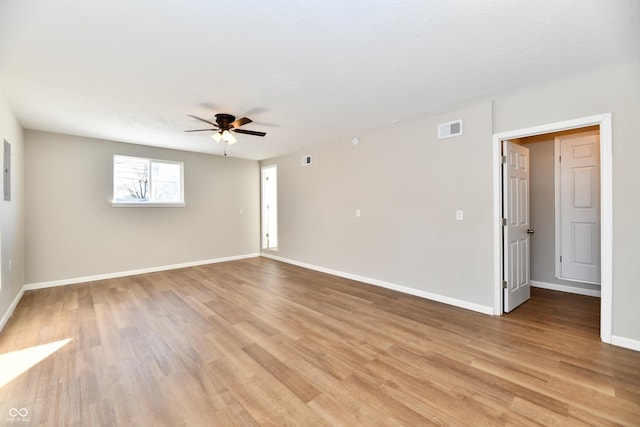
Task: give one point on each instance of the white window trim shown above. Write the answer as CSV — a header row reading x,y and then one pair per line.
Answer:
x,y
155,204
148,205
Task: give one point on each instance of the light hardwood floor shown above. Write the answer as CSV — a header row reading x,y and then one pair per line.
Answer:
x,y
259,342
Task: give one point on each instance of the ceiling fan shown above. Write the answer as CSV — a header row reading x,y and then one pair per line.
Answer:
x,y
224,125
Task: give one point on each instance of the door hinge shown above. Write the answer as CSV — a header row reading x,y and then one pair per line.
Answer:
x,y
559,159
503,159
504,284
504,222
560,258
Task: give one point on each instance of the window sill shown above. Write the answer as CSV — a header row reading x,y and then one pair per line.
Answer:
x,y
148,205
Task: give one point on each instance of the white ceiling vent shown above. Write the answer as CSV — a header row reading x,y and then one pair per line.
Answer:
x,y
449,129
306,160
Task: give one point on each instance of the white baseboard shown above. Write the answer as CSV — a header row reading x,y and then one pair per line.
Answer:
x,y
615,340
625,342
11,308
404,289
565,288
64,282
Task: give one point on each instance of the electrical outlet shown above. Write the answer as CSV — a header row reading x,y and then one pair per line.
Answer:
x,y
459,215
357,213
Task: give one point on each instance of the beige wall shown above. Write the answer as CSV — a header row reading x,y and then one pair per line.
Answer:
x,y
615,91
11,214
407,185
73,231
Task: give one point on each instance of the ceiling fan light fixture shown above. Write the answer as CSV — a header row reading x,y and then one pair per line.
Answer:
x,y
228,138
224,123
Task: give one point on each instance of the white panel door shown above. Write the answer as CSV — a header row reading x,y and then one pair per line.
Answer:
x,y
580,207
516,238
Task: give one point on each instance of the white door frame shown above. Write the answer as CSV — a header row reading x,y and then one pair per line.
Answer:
x,y
606,210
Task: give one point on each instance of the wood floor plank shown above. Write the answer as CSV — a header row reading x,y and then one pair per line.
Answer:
x,y
257,342
287,376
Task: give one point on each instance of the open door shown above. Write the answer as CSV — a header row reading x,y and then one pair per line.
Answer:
x,y
516,230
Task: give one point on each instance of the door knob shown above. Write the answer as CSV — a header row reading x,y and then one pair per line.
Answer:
x,y
530,231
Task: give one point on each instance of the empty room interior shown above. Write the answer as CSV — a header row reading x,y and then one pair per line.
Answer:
x,y
320,213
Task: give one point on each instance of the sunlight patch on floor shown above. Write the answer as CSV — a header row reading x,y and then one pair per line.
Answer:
x,y
15,363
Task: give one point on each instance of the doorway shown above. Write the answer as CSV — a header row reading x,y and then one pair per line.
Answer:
x,y
269,207
565,210
604,124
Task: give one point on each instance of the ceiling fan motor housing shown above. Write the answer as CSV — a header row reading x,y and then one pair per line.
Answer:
x,y
224,120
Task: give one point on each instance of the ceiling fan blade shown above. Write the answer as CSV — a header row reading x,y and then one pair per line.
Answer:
x,y
200,130
203,120
249,132
240,122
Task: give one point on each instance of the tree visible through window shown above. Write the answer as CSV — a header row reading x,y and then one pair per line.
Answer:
x,y
140,180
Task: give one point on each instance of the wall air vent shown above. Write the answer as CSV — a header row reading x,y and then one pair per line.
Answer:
x,y
306,160
449,129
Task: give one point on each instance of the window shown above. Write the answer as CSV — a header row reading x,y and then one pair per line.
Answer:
x,y
147,182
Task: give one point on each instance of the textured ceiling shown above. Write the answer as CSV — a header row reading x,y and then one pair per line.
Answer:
x,y
306,72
